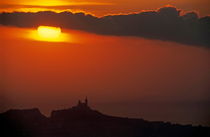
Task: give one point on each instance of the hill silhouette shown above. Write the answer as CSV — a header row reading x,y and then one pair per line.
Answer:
x,y
83,121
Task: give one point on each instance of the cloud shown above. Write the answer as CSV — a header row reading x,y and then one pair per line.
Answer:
x,y
72,7
62,6
164,24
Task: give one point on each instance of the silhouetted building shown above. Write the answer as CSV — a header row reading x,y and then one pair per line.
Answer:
x,y
83,104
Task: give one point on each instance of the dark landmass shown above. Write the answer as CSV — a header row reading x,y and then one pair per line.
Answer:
x,y
82,121
164,24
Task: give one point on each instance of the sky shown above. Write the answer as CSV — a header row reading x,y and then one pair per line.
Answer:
x,y
160,74
104,7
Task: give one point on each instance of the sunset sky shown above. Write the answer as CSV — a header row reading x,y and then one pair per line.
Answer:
x,y
157,71
104,7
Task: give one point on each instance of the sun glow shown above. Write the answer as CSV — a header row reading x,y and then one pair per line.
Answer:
x,y
50,34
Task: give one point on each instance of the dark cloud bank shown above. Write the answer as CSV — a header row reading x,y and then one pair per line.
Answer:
x,y
164,24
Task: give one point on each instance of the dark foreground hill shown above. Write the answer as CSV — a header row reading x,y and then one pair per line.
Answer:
x,y
82,121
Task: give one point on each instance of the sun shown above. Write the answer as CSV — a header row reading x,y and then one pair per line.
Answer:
x,y
47,32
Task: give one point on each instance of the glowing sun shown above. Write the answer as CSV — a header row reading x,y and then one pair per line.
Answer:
x,y
49,34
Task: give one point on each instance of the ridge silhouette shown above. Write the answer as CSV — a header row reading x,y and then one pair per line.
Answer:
x,y
82,121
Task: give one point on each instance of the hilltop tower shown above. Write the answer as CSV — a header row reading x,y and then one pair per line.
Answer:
x,y
83,104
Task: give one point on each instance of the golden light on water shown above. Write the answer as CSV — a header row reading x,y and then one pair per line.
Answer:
x,y
50,34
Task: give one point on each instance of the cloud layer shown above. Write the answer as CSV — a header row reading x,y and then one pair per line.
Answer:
x,y
163,24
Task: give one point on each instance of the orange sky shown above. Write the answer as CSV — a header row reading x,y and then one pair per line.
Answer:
x,y
118,74
103,7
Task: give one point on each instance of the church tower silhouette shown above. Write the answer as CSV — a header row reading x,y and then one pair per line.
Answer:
x,y
83,104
